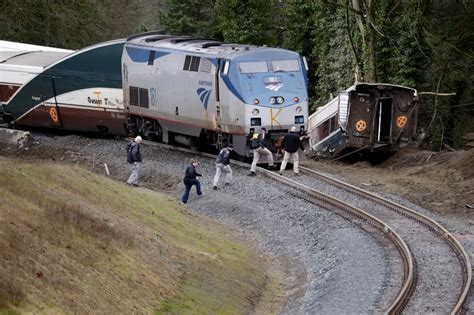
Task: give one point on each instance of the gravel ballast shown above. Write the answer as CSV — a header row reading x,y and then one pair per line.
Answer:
x,y
332,266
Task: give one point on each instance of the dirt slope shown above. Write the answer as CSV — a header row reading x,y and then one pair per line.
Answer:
x,y
75,242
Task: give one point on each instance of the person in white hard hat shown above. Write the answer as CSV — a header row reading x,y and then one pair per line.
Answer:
x,y
134,158
291,144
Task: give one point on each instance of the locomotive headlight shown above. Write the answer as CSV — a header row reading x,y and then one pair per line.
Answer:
x,y
280,100
272,100
255,112
296,99
299,109
256,101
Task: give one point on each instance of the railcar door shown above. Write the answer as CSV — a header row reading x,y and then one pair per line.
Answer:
x,y
384,119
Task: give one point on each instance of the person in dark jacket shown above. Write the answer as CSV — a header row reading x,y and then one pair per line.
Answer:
x,y
257,144
223,165
291,144
134,158
190,179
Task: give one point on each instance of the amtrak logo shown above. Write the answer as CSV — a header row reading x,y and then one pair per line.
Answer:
x,y
274,87
204,96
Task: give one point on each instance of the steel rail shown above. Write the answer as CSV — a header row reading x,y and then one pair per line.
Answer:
x,y
442,232
316,197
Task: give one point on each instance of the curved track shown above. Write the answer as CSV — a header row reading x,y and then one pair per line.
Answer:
x,y
435,278
443,269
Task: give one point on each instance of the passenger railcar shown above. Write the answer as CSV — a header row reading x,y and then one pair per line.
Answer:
x,y
19,63
198,91
371,116
80,91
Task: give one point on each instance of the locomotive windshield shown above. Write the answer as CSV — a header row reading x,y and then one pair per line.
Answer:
x,y
292,65
253,67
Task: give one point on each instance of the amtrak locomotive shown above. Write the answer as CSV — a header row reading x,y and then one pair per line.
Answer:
x,y
203,92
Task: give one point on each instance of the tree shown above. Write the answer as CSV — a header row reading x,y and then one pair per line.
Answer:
x,y
191,17
247,21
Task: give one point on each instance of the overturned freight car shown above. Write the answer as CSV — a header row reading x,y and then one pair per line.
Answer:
x,y
366,116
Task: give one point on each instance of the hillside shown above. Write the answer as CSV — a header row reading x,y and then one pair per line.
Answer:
x,y
75,242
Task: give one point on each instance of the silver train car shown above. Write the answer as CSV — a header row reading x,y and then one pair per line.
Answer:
x,y
367,116
203,92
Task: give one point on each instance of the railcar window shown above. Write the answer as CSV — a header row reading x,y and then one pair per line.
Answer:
x,y
253,67
143,98
195,64
285,65
332,124
187,63
133,96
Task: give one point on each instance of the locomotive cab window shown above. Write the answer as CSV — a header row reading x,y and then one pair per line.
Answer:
x,y
253,67
225,68
292,65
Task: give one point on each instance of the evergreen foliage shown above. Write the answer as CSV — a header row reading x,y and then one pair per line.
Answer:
x,y
427,45
191,17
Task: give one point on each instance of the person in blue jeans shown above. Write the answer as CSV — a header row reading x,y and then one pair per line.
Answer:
x,y
190,179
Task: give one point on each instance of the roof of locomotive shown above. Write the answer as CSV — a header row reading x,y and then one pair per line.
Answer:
x,y
195,45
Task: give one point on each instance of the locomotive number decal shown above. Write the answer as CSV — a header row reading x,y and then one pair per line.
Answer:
x,y
401,121
53,113
361,125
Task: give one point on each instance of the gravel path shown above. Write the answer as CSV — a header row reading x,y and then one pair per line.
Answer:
x,y
332,265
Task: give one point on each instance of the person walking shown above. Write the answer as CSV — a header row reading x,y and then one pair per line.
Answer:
x,y
257,144
291,144
190,179
223,166
134,158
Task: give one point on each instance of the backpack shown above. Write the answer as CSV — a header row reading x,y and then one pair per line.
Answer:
x,y
254,143
129,152
129,147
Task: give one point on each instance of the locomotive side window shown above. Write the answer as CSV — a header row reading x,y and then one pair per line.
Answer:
x,y
253,67
187,63
138,96
191,63
285,65
143,98
133,96
195,63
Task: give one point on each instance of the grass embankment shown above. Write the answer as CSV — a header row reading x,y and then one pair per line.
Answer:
x,y
74,242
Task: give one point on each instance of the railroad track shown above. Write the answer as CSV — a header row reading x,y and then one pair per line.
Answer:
x,y
443,269
430,277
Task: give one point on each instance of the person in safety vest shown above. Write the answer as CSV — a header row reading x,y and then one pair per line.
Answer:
x,y
257,144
